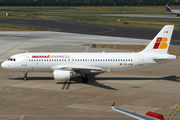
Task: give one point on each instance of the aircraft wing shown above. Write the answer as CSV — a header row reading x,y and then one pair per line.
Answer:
x,y
77,67
132,114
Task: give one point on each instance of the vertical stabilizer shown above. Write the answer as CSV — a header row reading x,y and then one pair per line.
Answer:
x,y
160,43
168,9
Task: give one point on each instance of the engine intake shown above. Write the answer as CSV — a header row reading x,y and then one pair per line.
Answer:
x,y
61,75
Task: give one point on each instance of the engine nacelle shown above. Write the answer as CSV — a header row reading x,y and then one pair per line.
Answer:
x,y
61,75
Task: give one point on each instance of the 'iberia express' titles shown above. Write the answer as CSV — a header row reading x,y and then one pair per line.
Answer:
x,y
50,56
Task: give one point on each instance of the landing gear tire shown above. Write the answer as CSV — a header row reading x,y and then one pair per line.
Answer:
x,y
25,78
84,79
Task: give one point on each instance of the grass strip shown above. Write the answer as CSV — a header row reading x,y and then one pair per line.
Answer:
x,y
94,9
20,27
133,23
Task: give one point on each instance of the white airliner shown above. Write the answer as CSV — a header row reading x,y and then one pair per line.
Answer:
x,y
169,10
149,115
67,65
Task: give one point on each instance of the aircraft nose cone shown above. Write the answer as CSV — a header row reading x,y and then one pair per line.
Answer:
x,y
4,65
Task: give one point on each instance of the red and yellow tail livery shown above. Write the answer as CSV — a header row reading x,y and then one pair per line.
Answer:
x,y
161,43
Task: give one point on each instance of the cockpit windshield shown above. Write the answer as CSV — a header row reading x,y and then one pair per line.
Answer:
x,y
11,59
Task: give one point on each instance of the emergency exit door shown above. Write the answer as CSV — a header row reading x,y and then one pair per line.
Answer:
x,y
24,61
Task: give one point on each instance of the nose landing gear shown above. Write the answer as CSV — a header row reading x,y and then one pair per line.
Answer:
x,y
25,76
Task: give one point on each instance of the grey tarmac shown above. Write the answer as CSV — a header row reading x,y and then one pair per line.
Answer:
x,y
155,88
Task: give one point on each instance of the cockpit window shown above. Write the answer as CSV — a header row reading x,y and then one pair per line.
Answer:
x,y
11,59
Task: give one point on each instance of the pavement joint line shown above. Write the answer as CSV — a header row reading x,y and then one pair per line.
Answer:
x,y
77,116
80,116
9,118
15,46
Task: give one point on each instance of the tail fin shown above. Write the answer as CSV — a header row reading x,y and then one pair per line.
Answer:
x,y
168,9
160,43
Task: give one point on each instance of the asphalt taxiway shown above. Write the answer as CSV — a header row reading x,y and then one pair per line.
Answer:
x,y
168,16
63,25
155,88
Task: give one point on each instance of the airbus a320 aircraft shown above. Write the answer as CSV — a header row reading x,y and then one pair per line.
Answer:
x,y
169,10
67,65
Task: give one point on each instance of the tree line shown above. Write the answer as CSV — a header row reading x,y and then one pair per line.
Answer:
x,y
87,2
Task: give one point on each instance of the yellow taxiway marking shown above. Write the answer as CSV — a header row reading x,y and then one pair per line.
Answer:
x,y
14,47
66,85
175,112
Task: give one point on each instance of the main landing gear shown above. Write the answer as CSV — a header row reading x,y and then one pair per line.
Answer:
x,y
84,78
25,75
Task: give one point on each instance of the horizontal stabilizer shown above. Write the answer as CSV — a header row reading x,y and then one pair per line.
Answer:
x,y
132,114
